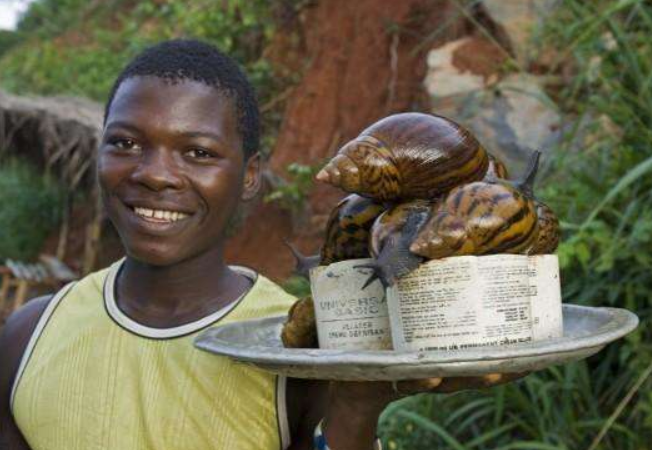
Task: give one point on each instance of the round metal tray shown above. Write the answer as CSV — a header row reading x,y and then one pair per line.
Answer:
x,y
586,331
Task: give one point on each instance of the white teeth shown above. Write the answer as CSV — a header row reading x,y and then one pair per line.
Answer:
x,y
168,216
145,212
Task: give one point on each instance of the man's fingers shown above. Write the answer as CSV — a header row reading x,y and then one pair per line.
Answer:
x,y
411,387
492,378
453,384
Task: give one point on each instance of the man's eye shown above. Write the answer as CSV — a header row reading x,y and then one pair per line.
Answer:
x,y
125,144
199,153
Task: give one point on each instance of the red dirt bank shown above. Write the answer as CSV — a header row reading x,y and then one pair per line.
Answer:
x,y
366,61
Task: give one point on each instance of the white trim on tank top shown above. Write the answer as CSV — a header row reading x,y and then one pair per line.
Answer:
x,y
129,324
36,334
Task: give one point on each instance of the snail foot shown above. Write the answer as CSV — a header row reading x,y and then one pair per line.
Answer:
x,y
378,272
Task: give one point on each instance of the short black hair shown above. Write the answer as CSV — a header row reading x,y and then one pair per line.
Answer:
x,y
188,59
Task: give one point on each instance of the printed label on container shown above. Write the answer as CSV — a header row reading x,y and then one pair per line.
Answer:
x,y
476,301
349,317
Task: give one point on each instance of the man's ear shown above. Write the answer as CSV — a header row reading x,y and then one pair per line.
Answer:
x,y
252,177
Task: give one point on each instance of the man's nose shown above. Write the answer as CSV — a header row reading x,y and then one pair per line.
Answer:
x,y
158,170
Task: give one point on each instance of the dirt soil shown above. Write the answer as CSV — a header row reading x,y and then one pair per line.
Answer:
x,y
366,60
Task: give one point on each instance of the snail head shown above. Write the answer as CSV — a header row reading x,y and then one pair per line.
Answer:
x,y
526,183
303,263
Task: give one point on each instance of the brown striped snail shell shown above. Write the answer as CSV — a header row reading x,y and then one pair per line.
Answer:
x,y
347,234
407,156
482,218
300,330
391,236
348,229
549,233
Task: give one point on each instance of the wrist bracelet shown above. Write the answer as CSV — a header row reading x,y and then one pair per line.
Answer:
x,y
320,440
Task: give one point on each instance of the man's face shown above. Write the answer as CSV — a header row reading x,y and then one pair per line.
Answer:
x,y
172,169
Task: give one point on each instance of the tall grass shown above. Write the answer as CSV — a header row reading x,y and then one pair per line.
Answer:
x,y
601,187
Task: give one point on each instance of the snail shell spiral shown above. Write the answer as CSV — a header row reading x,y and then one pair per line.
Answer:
x,y
300,330
407,156
549,233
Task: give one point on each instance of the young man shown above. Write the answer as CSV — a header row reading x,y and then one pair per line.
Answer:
x,y
108,362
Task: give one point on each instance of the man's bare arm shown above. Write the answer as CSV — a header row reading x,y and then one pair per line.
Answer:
x,y
13,341
306,404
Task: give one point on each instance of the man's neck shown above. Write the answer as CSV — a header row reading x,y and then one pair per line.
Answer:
x,y
168,296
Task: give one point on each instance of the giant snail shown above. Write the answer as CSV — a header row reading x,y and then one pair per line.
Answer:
x,y
347,234
407,156
484,217
348,229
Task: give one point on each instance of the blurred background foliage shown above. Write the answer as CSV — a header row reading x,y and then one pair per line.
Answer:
x,y
602,190
76,47
603,193
31,209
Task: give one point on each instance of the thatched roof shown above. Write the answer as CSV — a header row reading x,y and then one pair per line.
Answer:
x,y
59,133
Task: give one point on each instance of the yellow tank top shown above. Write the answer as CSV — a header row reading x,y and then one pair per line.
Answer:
x,y
93,379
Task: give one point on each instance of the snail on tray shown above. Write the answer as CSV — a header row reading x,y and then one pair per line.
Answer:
x,y
407,156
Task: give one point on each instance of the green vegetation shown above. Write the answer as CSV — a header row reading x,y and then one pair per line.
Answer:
x,y
297,285
603,193
31,209
292,194
78,47
8,39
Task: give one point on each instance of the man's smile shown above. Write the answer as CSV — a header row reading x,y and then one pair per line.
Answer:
x,y
159,215
155,219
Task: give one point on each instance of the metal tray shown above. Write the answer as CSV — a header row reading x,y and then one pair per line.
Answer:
x,y
586,331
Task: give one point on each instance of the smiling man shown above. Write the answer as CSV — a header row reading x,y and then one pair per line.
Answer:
x,y
108,362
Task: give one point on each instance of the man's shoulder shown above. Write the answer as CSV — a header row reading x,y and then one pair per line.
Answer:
x,y
24,320
21,323
15,337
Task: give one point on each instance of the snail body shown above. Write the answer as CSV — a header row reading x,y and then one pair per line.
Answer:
x,y
348,229
407,156
391,236
484,217
549,233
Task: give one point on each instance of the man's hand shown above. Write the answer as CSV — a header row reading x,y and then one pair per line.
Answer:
x,y
354,407
452,384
